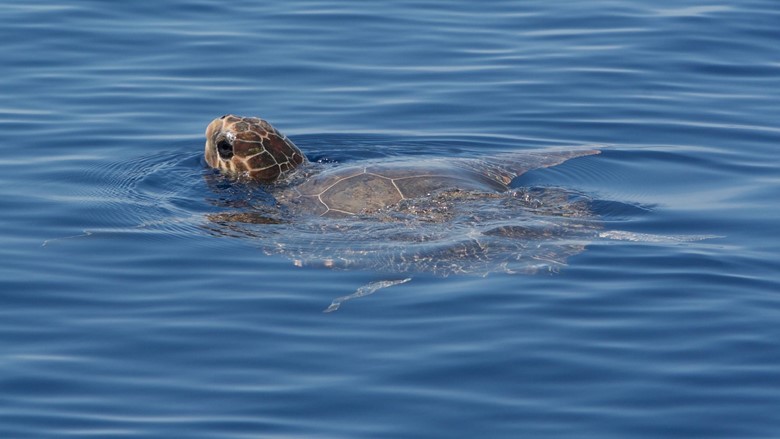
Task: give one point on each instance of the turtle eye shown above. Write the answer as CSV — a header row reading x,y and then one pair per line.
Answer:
x,y
224,149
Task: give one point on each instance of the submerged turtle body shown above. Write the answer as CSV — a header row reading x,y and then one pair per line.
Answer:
x,y
251,147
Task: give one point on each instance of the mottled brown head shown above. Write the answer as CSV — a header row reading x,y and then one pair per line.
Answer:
x,y
248,146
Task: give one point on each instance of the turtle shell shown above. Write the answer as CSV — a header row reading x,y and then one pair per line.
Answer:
x,y
354,190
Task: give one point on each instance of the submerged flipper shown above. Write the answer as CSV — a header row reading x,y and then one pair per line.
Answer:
x,y
365,290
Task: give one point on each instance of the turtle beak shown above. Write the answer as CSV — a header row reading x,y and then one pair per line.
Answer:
x,y
212,133
213,127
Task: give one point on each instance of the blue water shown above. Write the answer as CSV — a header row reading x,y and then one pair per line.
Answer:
x,y
122,315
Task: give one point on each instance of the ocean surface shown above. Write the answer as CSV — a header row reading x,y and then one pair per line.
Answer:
x,y
126,311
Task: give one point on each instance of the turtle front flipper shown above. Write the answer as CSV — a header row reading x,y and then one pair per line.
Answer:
x,y
504,168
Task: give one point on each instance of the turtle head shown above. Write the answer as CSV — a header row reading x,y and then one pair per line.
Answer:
x,y
248,146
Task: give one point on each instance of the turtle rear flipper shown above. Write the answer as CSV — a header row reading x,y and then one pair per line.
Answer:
x,y
504,168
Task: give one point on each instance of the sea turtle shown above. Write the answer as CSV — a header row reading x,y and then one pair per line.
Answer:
x,y
439,215
249,147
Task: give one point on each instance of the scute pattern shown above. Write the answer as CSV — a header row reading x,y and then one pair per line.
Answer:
x,y
357,190
364,192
